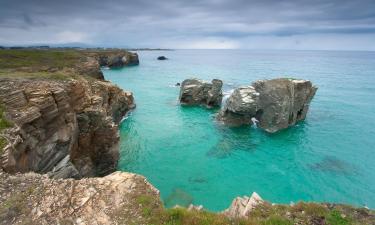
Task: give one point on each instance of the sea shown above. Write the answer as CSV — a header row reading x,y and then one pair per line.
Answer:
x,y
192,159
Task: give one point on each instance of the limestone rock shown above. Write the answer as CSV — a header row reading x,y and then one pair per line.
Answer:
x,y
276,104
199,92
241,207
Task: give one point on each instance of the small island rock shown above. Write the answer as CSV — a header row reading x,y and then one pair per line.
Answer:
x,y
162,58
199,92
276,104
119,59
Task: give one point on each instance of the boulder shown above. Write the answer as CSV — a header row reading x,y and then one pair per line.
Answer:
x,y
276,104
199,92
162,58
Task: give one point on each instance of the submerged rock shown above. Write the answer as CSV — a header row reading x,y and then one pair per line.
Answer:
x,y
179,197
276,103
162,58
199,92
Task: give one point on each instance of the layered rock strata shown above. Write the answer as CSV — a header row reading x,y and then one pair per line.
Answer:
x,y
276,104
63,128
199,92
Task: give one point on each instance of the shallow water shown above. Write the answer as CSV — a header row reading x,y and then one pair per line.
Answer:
x,y
192,159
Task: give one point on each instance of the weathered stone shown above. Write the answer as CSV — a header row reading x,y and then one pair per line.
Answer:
x,y
199,92
64,169
241,207
113,199
276,104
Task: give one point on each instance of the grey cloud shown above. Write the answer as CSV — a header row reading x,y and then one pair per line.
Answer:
x,y
149,22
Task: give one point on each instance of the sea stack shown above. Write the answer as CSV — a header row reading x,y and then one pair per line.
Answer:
x,y
276,104
199,92
116,60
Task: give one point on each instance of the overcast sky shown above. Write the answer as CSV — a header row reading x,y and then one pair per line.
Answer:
x,y
250,24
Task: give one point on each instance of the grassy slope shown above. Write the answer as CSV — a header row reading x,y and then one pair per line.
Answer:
x,y
51,64
266,214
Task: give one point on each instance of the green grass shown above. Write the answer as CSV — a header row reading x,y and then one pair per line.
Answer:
x,y
38,58
4,123
59,75
335,218
266,214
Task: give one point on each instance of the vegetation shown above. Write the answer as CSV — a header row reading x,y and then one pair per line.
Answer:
x,y
4,123
35,59
16,205
265,214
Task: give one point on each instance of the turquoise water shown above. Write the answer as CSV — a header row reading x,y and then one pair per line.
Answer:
x,y
192,159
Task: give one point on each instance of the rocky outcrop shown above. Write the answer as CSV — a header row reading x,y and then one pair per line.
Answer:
x,y
63,128
242,206
199,92
113,60
114,199
162,58
276,104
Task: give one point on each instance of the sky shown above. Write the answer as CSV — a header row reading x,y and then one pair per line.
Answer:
x,y
191,24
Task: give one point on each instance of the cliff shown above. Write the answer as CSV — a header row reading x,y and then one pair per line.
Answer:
x,y
125,198
65,126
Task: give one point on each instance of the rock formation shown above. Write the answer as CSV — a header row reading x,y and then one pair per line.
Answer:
x,y
35,199
242,206
121,59
162,58
199,92
276,103
64,128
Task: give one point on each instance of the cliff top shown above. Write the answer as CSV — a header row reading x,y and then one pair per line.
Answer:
x,y
54,63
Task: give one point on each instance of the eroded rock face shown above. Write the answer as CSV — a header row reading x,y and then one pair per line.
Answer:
x,y
119,59
276,104
199,92
113,199
63,128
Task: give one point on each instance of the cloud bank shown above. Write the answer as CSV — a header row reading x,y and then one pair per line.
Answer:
x,y
250,24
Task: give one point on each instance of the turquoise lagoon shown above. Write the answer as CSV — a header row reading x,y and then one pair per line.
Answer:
x,y
192,159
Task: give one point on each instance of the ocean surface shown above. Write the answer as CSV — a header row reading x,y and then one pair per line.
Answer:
x,y
192,159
